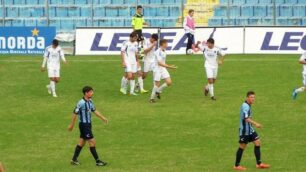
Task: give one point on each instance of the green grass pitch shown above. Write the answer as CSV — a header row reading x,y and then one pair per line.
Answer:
x,y
184,131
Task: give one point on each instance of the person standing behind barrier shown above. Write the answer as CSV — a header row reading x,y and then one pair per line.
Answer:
x,y
189,27
138,21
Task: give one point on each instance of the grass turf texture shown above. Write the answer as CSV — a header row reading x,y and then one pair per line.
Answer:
x,y
185,131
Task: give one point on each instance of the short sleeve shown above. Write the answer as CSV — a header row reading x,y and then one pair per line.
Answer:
x,y
245,110
46,54
303,57
133,21
124,46
77,108
221,52
158,56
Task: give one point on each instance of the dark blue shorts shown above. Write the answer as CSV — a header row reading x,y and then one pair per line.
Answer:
x,y
248,138
85,131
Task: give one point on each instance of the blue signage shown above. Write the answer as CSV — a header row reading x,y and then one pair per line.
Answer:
x,y
25,40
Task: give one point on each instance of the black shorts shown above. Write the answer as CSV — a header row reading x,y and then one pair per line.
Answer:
x,y
85,131
140,36
248,138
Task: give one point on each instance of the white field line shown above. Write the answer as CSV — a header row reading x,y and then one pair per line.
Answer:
x,y
171,60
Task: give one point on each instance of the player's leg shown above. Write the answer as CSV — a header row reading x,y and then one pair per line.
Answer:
x,y
156,84
257,152
92,147
166,76
239,154
131,77
299,90
189,41
77,152
124,83
140,81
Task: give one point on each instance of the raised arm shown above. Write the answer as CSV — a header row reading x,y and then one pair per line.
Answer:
x,y
148,49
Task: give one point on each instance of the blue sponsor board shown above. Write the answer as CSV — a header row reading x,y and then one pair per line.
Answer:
x,y
25,40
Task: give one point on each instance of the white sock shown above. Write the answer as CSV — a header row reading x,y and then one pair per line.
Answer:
x,y
52,85
162,87
132,85
123,82
298,90
140,82
207,87
211,89
153,94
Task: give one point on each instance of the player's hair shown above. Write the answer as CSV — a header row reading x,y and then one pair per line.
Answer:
x,y
55,42
133,34
249,93
139,6
154,36
211,40
86,89
162,42
190,11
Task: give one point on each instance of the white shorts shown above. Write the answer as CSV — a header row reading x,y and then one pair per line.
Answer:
x,y
131,68
159,74
304,79
211,72
148,66
52,73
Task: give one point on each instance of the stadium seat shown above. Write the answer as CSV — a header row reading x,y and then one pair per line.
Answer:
x,y
241,21
264,2
220,11
30,22
19,2
117,22
66,1
142,2
8,23
260,11
124,11
67,24
234,11
254,21
304,21
8,2
34,2
111,11
248,2
1,12
149,11
41,2
25,12
302,2
291,1
238,2
85,12
80,22
223,2
130,1
52,12
215,21
127,22
174,11
105,23
99,11
170,2
247,11
155,1
266,21
11,12
73,11
61,12
299,11
285,11
56,23
103,2
41,22
169,22
279,2
229,22
270,11
19,22
162,11
117,2
132,11
82,2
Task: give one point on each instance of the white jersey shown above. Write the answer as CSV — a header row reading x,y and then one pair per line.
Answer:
x,y
160,56
303,58
53,57
149,57
130,50
211,56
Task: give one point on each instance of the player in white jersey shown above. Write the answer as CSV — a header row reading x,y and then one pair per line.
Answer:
x,y
52,57
211,53
160,71
149,46
303,88
129,54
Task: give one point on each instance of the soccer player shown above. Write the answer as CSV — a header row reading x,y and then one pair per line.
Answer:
x,y
303,88
138,21
52,57
160,71
211,53
130,61
149,46
189,27
248,134
83,111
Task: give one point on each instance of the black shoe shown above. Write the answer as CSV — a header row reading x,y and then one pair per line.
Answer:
x,y
101,163
74,162
158,95
213,98
205,91
152,101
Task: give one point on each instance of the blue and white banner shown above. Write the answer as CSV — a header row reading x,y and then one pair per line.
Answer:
x,y
25,40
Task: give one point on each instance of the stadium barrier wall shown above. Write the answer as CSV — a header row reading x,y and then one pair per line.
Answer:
x,y
25,40
233,40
